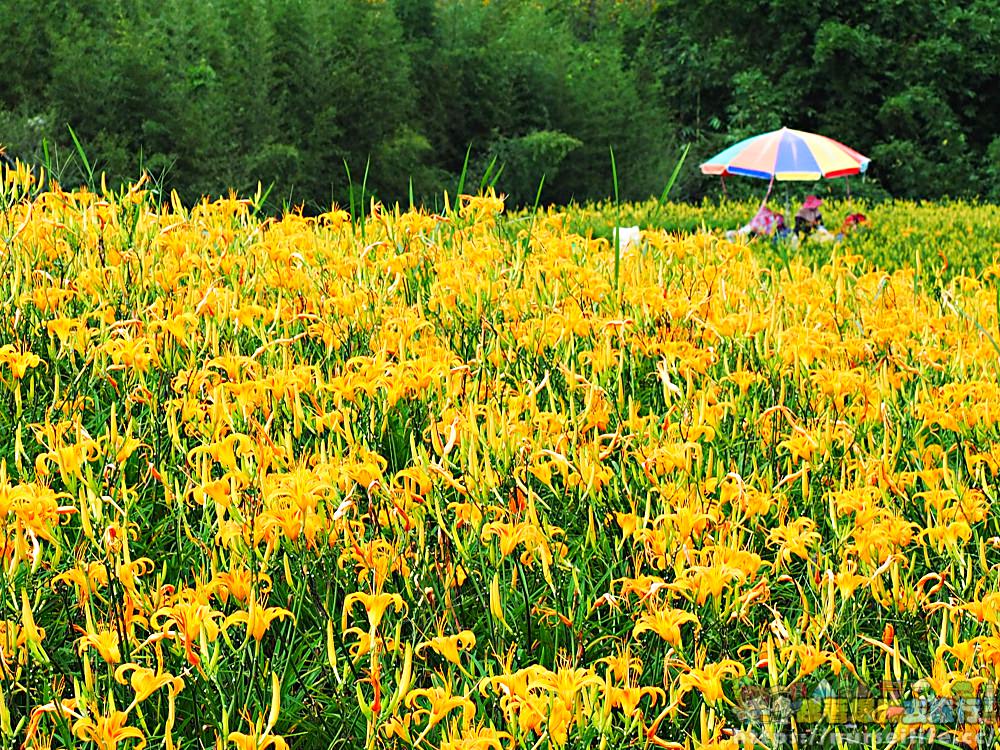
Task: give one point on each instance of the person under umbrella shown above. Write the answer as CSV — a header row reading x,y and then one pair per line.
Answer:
x,y
765,223
808,219
785,155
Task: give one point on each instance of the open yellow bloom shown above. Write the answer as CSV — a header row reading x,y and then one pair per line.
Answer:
x,y
257,618
105,641
430,706
665,622
145,681
375,607
108,731
19,362
252,741
449,646
707,680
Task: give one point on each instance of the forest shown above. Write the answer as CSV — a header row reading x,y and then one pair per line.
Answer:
x,y
315,98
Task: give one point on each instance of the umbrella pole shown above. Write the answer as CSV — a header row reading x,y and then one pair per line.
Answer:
x,y
847,182
767,195
723,180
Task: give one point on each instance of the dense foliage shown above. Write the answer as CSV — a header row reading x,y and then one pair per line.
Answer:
x,y
212,95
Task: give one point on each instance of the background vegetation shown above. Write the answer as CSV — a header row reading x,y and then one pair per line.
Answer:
x,y
216,95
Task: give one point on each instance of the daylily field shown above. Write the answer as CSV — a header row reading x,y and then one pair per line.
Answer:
x,y
448,481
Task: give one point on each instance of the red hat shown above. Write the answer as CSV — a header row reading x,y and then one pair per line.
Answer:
x,y
811,201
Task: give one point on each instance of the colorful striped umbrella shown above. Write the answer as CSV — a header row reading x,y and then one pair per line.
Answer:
x,y
787,155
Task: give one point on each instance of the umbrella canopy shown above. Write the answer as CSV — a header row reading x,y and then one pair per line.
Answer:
x,y
787,155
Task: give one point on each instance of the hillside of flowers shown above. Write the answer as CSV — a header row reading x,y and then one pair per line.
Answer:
x,y
451,481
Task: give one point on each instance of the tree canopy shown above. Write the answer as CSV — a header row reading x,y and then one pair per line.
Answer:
x,y
212,95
